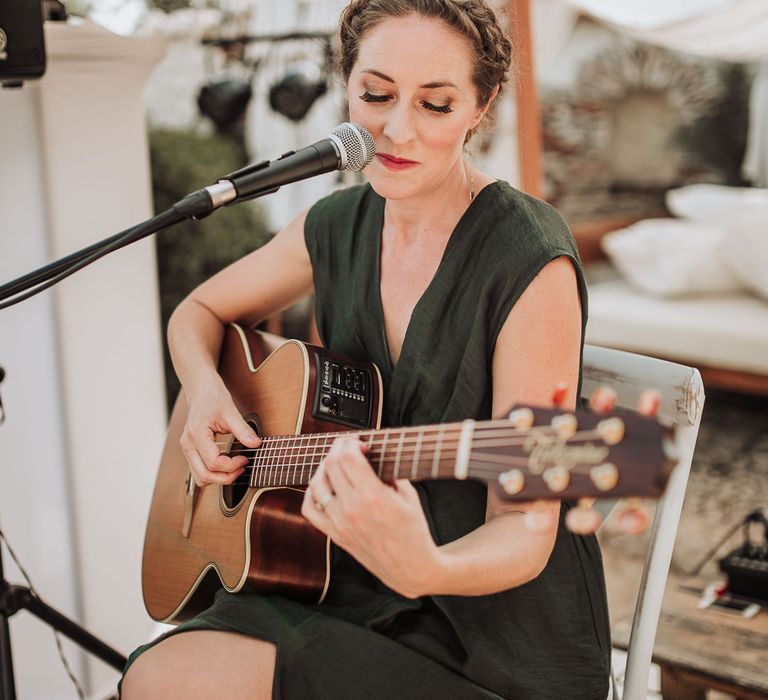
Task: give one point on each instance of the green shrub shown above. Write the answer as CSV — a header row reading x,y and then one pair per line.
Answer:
x,y
192,251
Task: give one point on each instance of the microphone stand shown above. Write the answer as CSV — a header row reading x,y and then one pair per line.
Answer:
x,y
14,598
196,205
255,180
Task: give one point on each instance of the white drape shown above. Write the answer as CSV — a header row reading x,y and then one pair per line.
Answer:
x,y
731,30
755,167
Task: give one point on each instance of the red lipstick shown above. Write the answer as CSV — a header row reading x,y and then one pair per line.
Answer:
x,y
394,163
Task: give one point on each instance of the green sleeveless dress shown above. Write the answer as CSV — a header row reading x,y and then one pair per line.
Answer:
x,y
546,640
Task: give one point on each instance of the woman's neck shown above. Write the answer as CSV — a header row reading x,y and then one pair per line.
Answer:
x,y
431,212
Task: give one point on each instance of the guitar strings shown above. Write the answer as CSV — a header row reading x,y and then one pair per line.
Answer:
x,y
296,454
301,442
406,447
413,432
419,471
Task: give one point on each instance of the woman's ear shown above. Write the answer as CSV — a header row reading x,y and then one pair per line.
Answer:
x,y
481,112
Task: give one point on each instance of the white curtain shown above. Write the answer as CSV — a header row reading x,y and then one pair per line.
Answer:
x,y
731,30
755,167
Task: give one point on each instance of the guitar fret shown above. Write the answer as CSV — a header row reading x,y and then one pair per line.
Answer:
x,y
263,459
304,462
273,461
381,454
417,455
437,449
397,457
283,457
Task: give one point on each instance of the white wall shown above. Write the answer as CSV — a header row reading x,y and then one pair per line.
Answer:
x,y
84,395
34,497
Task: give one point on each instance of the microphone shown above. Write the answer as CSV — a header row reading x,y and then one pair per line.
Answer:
x,y
348,147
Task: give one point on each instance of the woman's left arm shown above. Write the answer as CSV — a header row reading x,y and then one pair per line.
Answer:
x,y
537,349
385,529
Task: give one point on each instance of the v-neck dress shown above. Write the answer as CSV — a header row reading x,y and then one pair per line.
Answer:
x,y
545,640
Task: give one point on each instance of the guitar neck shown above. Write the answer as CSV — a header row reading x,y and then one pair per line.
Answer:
x,y
426,452
557,456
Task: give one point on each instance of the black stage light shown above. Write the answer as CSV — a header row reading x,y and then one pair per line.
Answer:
x,y
294,94
224,100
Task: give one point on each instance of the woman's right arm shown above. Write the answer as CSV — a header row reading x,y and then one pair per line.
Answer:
x,y
250,290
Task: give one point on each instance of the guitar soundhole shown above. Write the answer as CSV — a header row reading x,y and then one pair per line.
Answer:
x,y
234,493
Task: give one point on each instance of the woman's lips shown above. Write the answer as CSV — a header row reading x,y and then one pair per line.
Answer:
x,y
394,163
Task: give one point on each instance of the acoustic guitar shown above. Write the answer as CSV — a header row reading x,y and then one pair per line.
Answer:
x,y
299,398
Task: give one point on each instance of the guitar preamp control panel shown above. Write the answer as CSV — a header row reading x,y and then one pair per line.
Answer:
x,y
344,392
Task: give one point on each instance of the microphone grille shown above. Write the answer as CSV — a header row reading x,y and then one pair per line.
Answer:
x,y
356,144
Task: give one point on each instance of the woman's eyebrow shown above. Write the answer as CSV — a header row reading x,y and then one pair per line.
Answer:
x,y
436,84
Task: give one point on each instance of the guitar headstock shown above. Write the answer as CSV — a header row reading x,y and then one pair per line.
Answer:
x,y
578,456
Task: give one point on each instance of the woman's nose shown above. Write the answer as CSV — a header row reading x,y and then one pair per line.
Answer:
x,y
399,125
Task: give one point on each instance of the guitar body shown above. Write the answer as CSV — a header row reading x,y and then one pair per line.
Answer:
x,y
240,536
251,534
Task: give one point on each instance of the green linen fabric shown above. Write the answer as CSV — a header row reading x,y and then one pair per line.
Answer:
x,y
548,639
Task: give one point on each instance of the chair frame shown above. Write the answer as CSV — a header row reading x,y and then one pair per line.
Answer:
x,y
682,402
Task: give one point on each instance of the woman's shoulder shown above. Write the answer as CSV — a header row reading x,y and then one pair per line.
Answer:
x,y
529,221
344,204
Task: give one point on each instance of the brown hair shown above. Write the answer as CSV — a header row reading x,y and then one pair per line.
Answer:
x,y
473,19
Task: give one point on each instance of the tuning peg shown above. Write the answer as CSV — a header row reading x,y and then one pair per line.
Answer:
x,y
522,418
582,519
539,517
512,481
559,394
565,425
557,478
649,403
632,517
605,476
610,430
602,400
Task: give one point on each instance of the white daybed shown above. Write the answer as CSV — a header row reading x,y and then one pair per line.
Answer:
x,y
725,337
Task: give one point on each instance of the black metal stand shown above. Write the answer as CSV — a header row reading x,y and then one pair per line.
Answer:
x,y
14,598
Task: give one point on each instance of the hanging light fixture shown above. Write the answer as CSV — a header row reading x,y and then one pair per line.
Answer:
x,y
303,83
224,100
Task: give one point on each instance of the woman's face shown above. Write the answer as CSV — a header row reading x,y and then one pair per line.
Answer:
x,y
411,87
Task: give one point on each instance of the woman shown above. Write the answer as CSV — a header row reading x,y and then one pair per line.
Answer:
x,y
470,298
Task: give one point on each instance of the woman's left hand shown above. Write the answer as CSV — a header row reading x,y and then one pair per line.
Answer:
x,y
381,525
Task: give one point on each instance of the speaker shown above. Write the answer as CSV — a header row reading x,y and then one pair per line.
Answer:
x,y
22,43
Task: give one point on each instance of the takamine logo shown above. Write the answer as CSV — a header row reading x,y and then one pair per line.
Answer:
x,y
3,44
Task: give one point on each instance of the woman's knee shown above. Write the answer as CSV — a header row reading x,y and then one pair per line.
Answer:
x,y
202,664
144,679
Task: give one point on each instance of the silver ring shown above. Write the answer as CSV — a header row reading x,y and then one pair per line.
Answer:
x,y
325,500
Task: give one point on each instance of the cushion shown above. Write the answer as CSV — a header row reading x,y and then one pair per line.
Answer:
x,y
672,257
714,203
745,250
728,331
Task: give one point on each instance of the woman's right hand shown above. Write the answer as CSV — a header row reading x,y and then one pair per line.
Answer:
x,y
213,412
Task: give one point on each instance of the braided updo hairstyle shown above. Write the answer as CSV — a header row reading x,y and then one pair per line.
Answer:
x,y
473,19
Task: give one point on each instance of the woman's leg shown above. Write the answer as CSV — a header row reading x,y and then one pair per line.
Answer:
x,y
203,664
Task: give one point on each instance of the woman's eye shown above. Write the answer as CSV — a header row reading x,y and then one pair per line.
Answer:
x,y
442,109
370,97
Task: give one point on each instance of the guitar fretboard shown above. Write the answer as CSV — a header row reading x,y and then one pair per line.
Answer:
x,y
414,453
399,453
